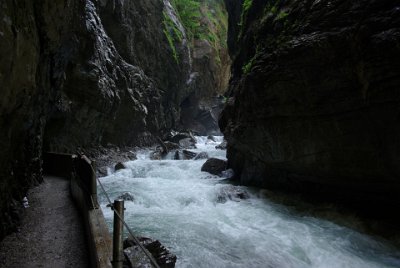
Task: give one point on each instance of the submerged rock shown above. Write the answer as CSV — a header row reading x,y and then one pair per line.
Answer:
x,y
158,154
230,192
136,257
211,138
214,166
187,143
127,196
187,155
202,155
222,145
171,145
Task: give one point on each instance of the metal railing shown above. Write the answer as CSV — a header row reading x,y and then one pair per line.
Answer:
x,y
84,176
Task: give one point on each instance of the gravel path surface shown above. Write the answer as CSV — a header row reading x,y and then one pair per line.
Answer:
x,y
51,233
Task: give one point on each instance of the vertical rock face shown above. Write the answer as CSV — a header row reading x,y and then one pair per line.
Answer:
x,y
28,46
314,99
83,73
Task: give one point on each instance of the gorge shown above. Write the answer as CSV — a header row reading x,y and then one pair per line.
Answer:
x,y
306,94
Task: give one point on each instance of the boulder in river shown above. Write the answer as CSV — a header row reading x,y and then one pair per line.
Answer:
x,y
214,166
184,139
119,166
136,257
230,192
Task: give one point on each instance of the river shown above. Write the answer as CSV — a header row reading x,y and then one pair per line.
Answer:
x,y
178,204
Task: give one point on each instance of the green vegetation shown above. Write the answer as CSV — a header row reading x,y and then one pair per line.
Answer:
x,y
173,34
247,67
202,20
245,9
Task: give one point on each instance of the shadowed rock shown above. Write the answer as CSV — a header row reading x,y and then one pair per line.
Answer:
x,y
119,166
214,166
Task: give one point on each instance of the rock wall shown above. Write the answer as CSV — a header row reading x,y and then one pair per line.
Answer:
x,y
80,74
313,103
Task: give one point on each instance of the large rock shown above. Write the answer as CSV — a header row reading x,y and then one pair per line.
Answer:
x,y
314,101
214,166
183,139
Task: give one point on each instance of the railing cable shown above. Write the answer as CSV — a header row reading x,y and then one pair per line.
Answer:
x,y
145,251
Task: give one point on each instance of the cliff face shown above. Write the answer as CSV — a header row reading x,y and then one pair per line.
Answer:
x,y
84,73
314,99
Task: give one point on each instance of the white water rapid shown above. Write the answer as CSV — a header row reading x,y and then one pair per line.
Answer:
x,y
177,204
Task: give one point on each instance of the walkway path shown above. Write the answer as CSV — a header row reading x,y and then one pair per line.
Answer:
x,y
51,234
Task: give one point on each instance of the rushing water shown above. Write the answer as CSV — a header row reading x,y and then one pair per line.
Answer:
x,y
177,204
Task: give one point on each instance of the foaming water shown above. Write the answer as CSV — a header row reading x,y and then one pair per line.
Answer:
x,y
177,203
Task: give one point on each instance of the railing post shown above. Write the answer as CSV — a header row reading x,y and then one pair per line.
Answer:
x,y
93,185
118,233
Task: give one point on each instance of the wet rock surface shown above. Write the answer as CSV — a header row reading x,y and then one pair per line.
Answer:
x,y
214,166
322,96
136,258
222,145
